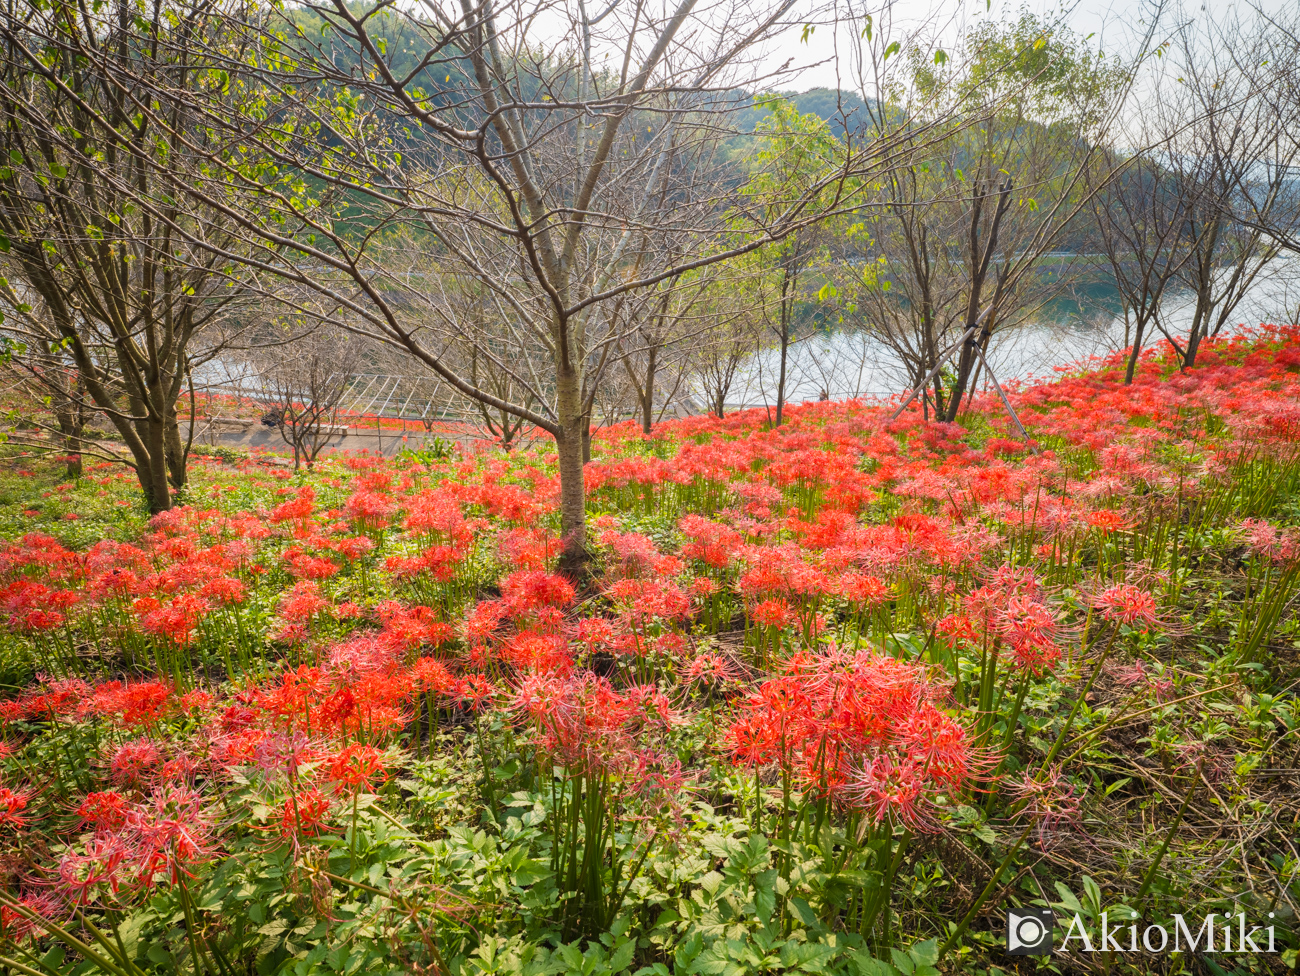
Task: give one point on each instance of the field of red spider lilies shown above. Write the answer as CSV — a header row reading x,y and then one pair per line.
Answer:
x,y
834,697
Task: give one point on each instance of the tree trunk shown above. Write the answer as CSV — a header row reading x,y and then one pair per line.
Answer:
x,y
572,445
648,391
785,347
72,425
152,472
1135,351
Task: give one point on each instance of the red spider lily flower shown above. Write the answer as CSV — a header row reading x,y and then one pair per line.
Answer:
x,y
12,805
1108,520
863,591
1052,802
474,691
1127,604
432,675
305,814
135,762
299,509
1131,676
353,547
958,630
178,619
223,591
16,927
303,566
195,701
1030,628
533,589
356,766
303,603
585,724
103,862
772,613
104,811
370,509
711,669
133,703
594,632
863,730
168,833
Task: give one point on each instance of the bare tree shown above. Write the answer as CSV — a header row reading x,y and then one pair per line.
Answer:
x,y
720,356
1240,160
545,178
108,296
304,380
959,234
1144,224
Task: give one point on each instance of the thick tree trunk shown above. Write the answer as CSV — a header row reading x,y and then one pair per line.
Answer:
x,y
573,506
573,446
152,469
1135,351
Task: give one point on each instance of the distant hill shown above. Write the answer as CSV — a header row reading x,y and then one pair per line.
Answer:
x,y
836,107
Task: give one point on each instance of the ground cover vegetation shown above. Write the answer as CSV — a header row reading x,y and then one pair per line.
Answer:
x,y
830,698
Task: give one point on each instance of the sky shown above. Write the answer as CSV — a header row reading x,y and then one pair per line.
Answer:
x,y
1114,25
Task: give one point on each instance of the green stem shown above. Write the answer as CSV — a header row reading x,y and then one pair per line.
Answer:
x,y
960,930
1169,836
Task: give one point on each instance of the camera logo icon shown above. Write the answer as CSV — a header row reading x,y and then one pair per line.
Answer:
x,y
1029,932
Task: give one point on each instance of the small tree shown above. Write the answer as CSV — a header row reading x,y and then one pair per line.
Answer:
x,y
304,383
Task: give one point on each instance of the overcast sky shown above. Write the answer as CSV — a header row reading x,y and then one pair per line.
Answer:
x,y
1113,23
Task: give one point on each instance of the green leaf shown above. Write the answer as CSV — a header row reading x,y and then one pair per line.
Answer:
x,y
530,872
892,50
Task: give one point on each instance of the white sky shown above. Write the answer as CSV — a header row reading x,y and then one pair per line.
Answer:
x,y
1114,24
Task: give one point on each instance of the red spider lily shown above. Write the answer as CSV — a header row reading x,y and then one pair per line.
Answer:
x,y
305,814
863,591
711,669
711,543
1281,546
772,613
594,632
370,509
355,766
474,691
223,591
103,811
1137,673
860,730
168,833
1050,801
12,805
1030,628
434,676
306,567
533,589
410,628
132,703
585,724
298,510
303,603
16,927
1127,604
134,763
176,620
1108,520
195,701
